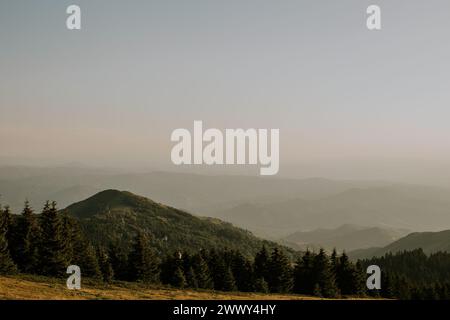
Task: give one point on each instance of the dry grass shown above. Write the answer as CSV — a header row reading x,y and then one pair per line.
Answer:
x,y
41,288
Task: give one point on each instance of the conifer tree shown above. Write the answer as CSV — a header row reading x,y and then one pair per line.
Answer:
x,y
348,277
280,273
221,272
260,285
242,271
261,264
119,262
52,251
303,274
89,264
324,277
10,226
228,282
7,265
172,270
142,260
78,250
334,260
201,271
26,241
177,278
105,265
191,278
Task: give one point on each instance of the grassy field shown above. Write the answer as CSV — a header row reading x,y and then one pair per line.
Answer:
x,y
38,288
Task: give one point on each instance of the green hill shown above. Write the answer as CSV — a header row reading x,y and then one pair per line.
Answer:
x,y
429,242
113,216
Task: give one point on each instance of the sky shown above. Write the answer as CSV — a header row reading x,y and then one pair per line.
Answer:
x,y
350,103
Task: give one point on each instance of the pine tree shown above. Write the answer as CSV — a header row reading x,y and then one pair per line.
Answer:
x,y
242,271
78,250
221,273
119,262
172,270
7,265
105,265
228,283
52,250
201,271
347,277
260,285
303,274
177,278
191,278
323,275
280,273
334,260
142,260
89,264
26,241
261,264
10,227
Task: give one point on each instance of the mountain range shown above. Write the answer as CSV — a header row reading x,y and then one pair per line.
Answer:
x,y
410,207
344,238
269,207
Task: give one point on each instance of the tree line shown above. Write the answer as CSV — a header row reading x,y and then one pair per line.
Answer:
x,y
414,275
47,243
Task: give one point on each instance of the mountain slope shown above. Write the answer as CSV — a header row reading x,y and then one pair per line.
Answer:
x,y
430,242
113,216
346,237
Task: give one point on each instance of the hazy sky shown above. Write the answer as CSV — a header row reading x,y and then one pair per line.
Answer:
x,y
349,103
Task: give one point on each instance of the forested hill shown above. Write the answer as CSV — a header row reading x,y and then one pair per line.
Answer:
x,y
429,242
115,217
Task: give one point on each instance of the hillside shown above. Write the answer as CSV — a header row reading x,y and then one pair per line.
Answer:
x,y
429,242
113,216
346,237
42,288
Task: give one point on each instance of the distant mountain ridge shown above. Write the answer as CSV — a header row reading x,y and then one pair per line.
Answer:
x,y
344,238
429,242
395,206
114,217
270,207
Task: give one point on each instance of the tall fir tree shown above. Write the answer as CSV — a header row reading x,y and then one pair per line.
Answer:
x,y
7,265
78,250
242,271
142,260
303,274
324,277
106,268
52,249
348,277
201,270
280,272
172,270
261,264
119,262
221,273
26,241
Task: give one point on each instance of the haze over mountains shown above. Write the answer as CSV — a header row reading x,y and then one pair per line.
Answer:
x,y
429,242
270,207
345,238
